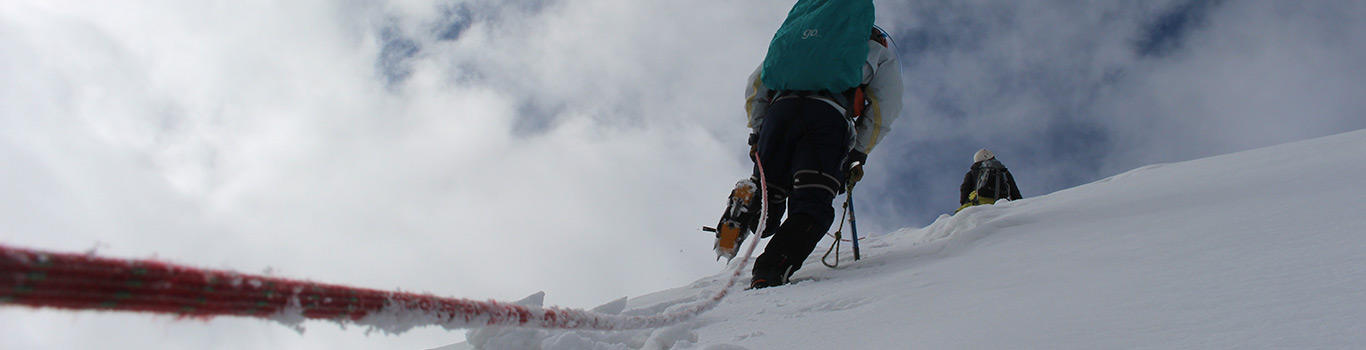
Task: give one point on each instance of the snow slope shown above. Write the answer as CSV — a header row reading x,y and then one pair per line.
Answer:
x,y
1260,249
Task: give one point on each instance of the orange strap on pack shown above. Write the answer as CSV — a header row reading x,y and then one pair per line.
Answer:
x,y
858,101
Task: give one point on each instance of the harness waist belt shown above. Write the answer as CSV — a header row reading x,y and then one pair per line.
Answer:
x,y
819,96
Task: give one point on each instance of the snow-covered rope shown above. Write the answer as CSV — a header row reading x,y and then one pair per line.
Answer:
x,y
86,282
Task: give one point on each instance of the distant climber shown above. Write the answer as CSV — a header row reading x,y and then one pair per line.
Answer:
x,y
986,182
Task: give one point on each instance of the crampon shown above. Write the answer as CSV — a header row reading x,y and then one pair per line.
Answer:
x,y
738,221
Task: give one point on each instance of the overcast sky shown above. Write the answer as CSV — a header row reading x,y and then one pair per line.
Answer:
x,y
495,148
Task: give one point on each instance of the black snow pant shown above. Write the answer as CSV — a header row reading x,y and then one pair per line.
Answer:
x,y
802,146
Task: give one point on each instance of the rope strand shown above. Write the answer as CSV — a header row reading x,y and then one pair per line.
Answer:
x,y
69,281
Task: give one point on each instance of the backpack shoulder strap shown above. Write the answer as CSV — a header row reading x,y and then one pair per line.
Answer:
x,y
983,175
993,171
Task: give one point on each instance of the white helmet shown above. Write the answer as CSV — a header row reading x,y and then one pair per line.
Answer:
x,y
982,155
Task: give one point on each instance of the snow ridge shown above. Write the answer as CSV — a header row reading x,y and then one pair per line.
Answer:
x,y
1253,250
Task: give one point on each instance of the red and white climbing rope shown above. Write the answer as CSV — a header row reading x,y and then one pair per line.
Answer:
x,y
87,282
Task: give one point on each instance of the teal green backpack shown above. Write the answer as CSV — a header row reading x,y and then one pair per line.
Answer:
x,y
820,47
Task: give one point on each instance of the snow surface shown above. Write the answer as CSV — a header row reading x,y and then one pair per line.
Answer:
x,y
1260,249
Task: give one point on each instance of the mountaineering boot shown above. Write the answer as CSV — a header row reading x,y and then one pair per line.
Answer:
x,y
787,250
739,219
760,283
765,279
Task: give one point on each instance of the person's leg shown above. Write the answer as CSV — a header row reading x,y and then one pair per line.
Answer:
x,y
817,137
775,147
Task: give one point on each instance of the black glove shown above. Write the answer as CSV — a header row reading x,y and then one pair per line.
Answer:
x,y
853,166
753,145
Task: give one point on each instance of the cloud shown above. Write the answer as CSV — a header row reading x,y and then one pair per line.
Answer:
x,y
1260,74
538,149
1164,34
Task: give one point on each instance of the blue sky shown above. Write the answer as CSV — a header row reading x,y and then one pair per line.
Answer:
x,y
492,149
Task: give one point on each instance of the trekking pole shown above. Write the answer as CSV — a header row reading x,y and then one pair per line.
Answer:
x,y
853,229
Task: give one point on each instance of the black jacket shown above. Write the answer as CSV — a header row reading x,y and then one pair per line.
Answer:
x,y
989,188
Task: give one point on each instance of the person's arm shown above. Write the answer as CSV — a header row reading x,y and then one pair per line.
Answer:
x,y
756,100
966,188
883,75
1014,190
